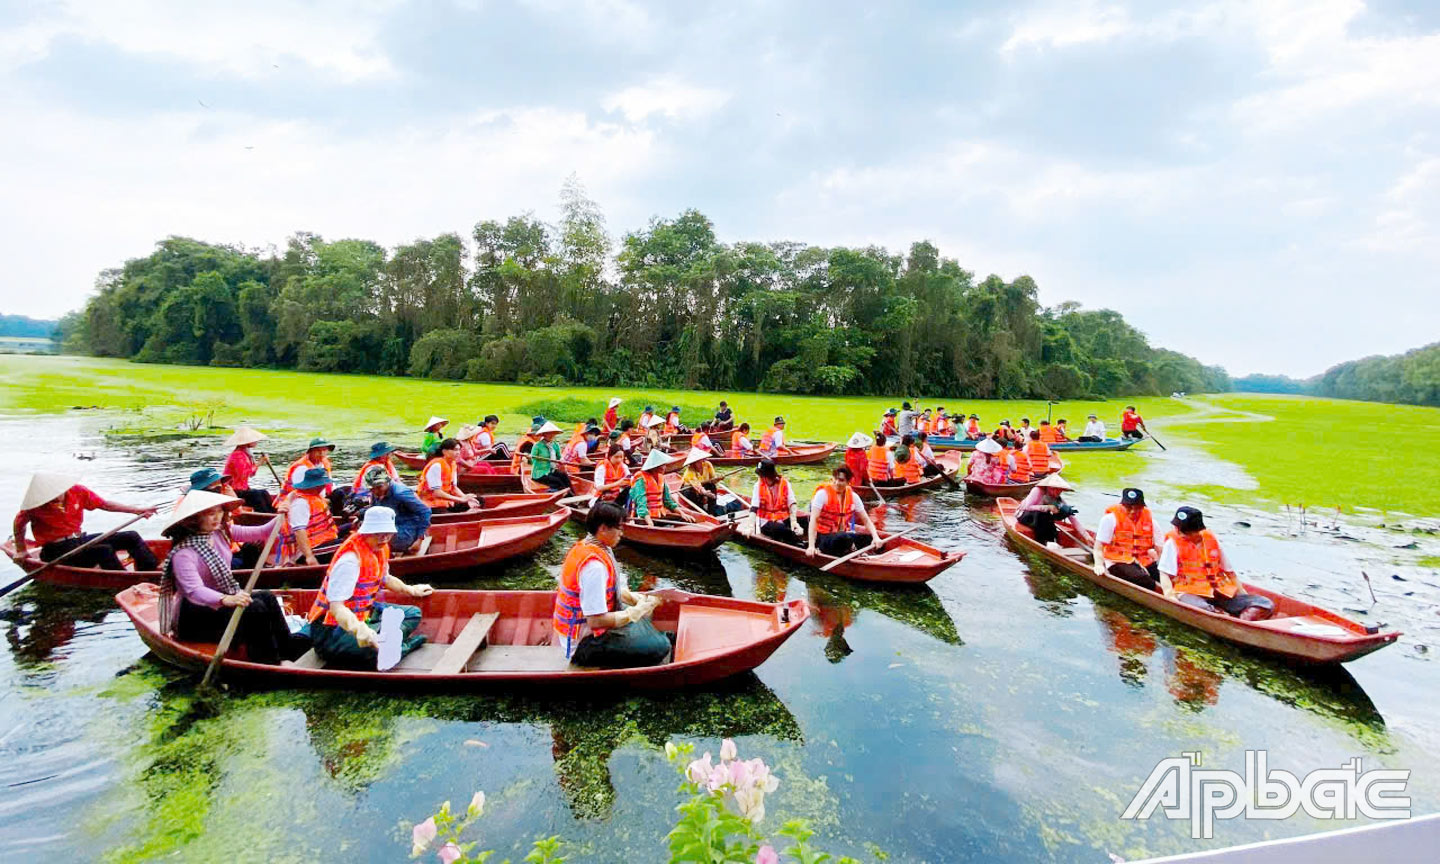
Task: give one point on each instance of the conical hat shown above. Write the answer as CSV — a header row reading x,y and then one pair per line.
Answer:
x,y
989,445
244,435
858,441
431,422
196,502
655,460
615,400
655,420
46,487
547,428
1055,481
695,455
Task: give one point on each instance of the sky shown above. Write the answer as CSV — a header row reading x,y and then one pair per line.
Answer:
x,y
1254,183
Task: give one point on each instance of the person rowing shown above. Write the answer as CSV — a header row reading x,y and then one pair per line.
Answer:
x,y
210,480
1126,546
351,602
412,516
240,466
1132,425
525,443
834,511
439,483
701,487
772,443
597,621
650,497
1044,507
1194,570
434,436
198,588
307,523
379,458
612,476
774,504
1094,430
53,508
611,420
543,458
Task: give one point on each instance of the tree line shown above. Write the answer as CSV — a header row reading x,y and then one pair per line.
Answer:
x,y
670,306
1412,378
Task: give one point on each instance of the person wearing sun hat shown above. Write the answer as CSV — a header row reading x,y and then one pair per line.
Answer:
x,y
209,480
611,420
240,466
317,455
988,464
470,460
1126,545
772,443
855,457
53,508
412,516
308,523
887,424
1194,570
198,590
544,457
353,599
701,487
379,458
672,421
525,443
434,434
650,496
652,432
1043,508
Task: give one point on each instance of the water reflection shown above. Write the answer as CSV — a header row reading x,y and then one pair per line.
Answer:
x,y
44,621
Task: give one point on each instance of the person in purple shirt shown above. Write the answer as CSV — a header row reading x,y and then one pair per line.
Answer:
x,y
198,590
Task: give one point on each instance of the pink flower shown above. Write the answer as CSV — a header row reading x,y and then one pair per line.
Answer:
x,y
448,853
739,774
767,855
699,771
727,750
422,836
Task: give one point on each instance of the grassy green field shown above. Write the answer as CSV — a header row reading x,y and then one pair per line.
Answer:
x,y
1319,452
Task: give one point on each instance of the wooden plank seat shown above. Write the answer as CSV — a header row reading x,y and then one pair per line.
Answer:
x,y
310,660
466,644
519,658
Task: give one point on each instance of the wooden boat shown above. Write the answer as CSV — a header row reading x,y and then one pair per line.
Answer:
x,y
682,439
498,638
951,463
1299,631
504,480
903,559
966,444
702,535
799,454
500,506
454,550
1011,490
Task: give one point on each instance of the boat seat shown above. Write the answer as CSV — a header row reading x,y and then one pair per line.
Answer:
x,y
458,653
422,659
310,660
518,658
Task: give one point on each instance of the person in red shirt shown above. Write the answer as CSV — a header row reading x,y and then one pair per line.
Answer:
x,y
54,510
1131,424
241,466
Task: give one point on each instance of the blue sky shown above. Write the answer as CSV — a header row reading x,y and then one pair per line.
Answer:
x,y
1254,183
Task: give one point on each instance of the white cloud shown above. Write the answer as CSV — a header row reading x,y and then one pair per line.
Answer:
x,y
1066,25
667,97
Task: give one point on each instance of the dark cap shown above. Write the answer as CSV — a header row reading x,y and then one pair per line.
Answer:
x,y
766,468
1133,496
1188,519
905,405
890,412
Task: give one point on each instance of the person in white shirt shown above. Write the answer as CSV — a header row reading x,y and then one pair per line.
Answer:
x,y
1126,545
773,502
1094,430
612,476
834,512
486,444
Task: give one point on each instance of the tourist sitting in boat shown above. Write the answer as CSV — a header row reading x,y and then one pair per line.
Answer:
x,y
597,621
1023,430
1047,433
544,457
487,444
53,508
308,524
1125,542
1020,468
576,454
856,458
198,589
887,425
701,440
434,435
988,464
643,421
1132,424
942,426
469,462
612,476
412,516
880,464
525,443
439,483
1193,570
907,464
627,437
611,419
834,512
650,497
1094,430
1062,430
921,449
1038,452
208,480
240,466
701,487
652,433
351,602
317,455
1043,508
673,426
774,504
772,443
740,445
972,428
724,417
379,458
1003,433
925,422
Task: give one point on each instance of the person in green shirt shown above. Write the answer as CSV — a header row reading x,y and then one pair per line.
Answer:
x,y
434,434
650,496
543,458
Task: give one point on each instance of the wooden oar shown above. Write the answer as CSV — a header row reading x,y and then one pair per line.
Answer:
x,y
557,461
87,544
877,493
234,623
873,547
1153,438
265,457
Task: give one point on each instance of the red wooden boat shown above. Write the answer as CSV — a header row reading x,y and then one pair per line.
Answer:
x,y
903,559
1299,631
500,506
702,535
499,638
504,480
453,551
998,490
798,454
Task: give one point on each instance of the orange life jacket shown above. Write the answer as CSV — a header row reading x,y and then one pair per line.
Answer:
x,y
774,503
373,567
1198,569
767,441
877,463
305,461
972,428
628,480
515,458
887,426
736,450
1134,539
1047,435
359,484
1039,453
672,423
654,490
447,484
568,616
1021,472
838,513
320,529
574,452
912,470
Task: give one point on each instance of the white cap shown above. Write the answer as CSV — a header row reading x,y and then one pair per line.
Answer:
x,y
244,435
859,440
547,428
378,520
655,460
197,501
695,455
655,420
989,445
431,422
46,487
1054,481
615,400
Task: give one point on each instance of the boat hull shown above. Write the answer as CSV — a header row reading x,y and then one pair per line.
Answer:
x,y
1109,444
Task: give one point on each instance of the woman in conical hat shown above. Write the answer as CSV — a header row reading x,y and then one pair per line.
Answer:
x,y
650,495
434,434
1043,509
198,589
241,466
54,510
